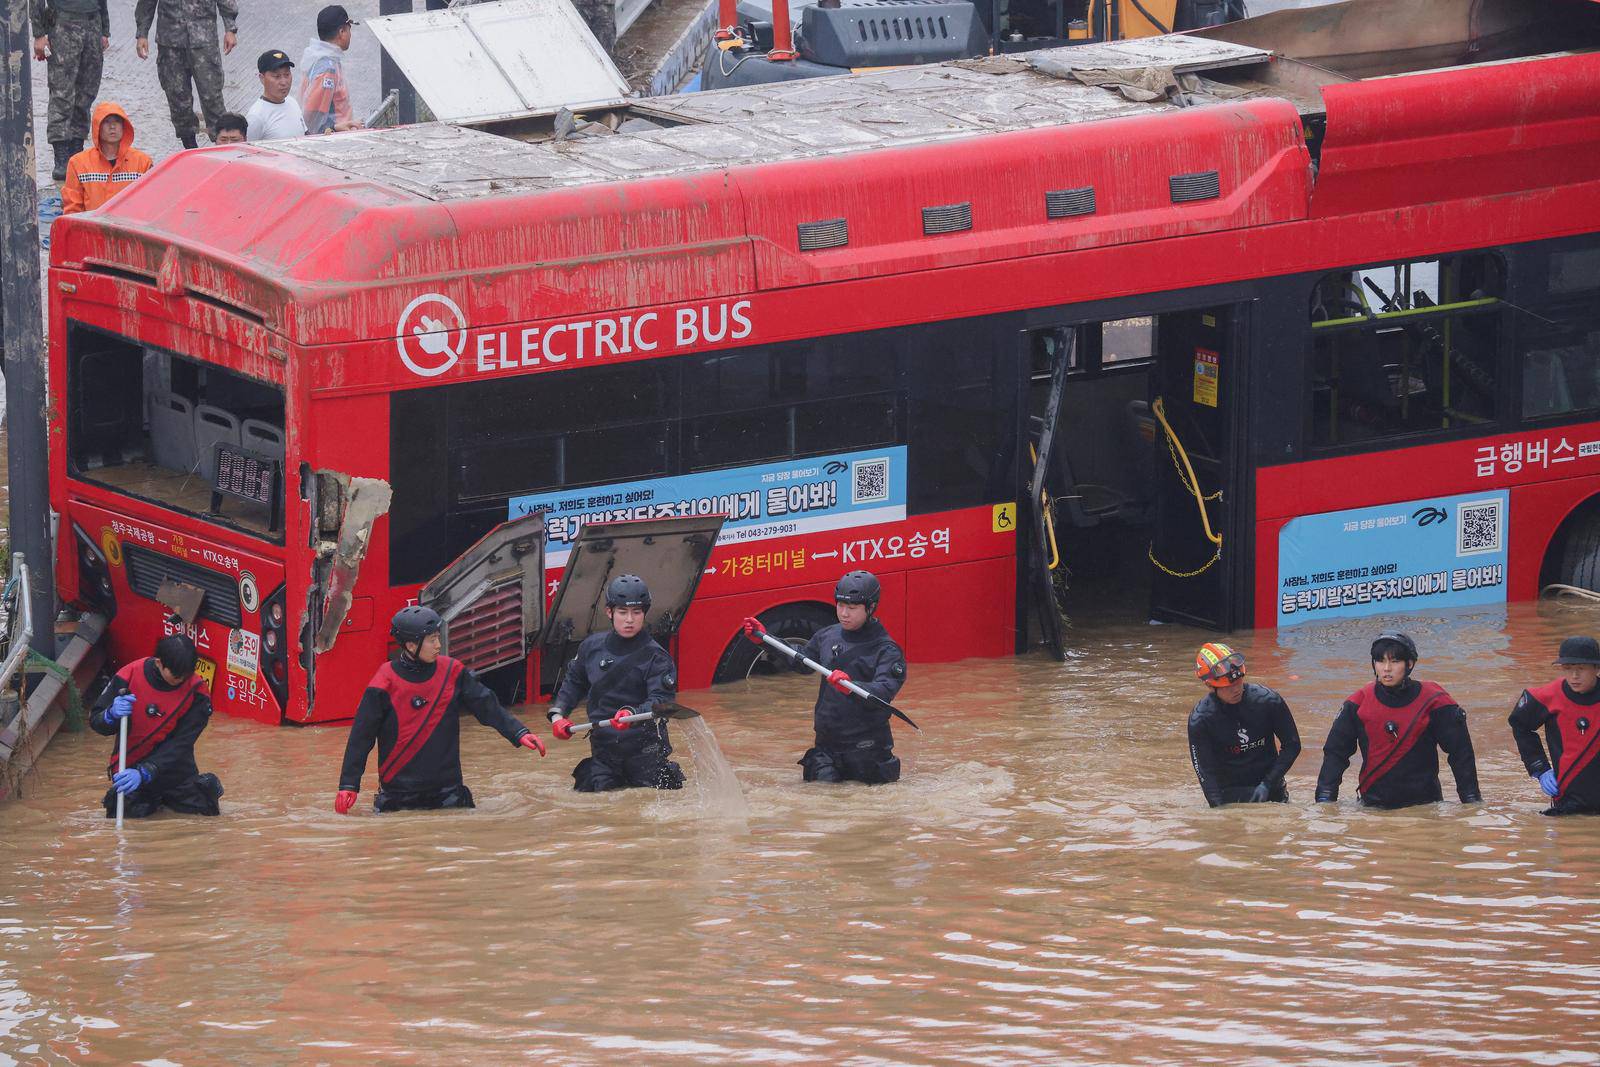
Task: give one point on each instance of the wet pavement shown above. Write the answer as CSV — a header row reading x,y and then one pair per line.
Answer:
x,y
1045,886
131,82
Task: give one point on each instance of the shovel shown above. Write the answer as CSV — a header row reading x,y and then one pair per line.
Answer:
x,y
627,716
758,633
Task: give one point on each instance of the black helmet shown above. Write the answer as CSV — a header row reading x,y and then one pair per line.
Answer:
x,y
628,591
858,587
1391,641
415,622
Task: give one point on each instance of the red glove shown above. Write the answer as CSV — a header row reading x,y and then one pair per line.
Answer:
x,y
617,722
838,680
561,728
527,740
754,630
344,801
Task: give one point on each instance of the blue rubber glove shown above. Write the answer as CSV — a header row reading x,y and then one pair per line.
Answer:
x,y
127,781
1547,782
1262,794
120,708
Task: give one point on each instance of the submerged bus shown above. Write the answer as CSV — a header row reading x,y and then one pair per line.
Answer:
x,y
1266,343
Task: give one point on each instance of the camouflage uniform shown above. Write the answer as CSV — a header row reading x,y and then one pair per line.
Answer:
x,y
75,28
187,50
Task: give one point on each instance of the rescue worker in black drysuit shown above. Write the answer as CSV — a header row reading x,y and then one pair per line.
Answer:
x,y
1399,724
1568,709
622,671
412,708
853,739
1235,733
167,708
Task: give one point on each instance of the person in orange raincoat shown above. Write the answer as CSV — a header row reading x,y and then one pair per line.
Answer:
x,y
107,166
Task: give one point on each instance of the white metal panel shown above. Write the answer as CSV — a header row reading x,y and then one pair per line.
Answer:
x,y
501,60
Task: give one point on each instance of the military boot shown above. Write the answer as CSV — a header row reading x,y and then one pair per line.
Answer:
x,y
190,140
64,152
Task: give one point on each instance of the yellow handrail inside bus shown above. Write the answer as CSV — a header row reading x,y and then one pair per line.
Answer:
x,y
1407,313
1049,518
1191,483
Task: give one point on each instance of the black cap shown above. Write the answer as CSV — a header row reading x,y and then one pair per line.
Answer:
x,y
332,19
1578,650
272,61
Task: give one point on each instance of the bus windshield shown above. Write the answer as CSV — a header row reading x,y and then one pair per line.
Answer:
x,y
157,425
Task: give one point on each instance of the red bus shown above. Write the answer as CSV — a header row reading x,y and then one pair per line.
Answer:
x,y
1241,340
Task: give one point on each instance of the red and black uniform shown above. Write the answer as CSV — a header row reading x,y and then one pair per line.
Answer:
x,y
166,722
1399,732
1235,747
1571,723
413,711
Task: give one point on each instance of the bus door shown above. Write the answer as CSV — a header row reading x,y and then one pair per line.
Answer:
x,y
1121,408
1195,392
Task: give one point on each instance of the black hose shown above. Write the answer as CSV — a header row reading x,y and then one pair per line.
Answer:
x,y
1153,20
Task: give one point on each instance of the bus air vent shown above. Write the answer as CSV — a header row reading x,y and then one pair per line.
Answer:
x,y
488,633
1201,186
829,233
947,218
147,569
1064,203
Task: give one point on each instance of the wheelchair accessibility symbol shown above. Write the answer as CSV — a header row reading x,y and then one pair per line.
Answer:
x,y
1004,519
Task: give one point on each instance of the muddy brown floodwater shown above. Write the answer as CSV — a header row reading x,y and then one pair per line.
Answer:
x,y
1046,886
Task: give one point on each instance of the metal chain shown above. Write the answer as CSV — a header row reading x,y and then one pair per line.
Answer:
x,y
1183,479
1151,552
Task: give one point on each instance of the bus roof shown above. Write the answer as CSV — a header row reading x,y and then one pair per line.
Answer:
x,y
696,132
699,197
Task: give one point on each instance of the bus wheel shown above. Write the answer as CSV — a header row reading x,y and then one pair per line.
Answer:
x,y
791,623
1580,554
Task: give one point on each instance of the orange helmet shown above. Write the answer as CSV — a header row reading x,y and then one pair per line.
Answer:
x,y
1218,665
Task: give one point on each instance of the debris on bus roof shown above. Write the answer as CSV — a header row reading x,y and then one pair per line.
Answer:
x,y
792,120
502,59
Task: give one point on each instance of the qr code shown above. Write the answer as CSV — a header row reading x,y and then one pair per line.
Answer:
x,y
869,481
1478,527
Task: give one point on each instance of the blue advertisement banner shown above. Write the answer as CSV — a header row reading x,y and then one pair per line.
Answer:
x,y
1421,554
779,499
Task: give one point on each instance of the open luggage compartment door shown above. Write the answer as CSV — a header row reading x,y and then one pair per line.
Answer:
x,y
492,596
669,554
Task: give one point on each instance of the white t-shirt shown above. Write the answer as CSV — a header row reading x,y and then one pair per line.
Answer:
x,y
271,122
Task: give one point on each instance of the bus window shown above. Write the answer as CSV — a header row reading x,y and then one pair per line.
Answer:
x,y
148,422
847,424
1127,342
1406,348
1559,346
459,453
962,422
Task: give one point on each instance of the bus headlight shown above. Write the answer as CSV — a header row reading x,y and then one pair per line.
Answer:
x,y
94,574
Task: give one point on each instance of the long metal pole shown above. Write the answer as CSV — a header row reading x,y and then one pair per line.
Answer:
x,y
23,332
122,762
